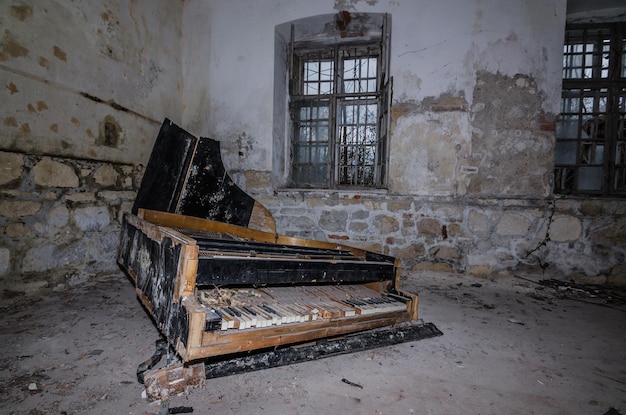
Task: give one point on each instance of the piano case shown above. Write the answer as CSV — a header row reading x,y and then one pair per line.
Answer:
x,y
218,280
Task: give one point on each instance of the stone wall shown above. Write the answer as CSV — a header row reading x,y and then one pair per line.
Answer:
x,y
59,219
568,237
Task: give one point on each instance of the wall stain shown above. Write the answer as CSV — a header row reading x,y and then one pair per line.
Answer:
x,y
12,88
31,109
54,127
43,62
42,106
25,128
109,132
60,54
89,133
10,47
21,13
10,122
75,121
117,107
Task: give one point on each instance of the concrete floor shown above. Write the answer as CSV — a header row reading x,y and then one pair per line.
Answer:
x,y
509,347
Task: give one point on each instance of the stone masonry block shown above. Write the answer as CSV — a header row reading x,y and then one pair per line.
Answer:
x,y
91,218
429,227
413,251
5,260
358,226
477,223
18,208
39,259
50,173
106,176
445,253
512,225
59,216
11,167
565,228
386,224
17,230
334,220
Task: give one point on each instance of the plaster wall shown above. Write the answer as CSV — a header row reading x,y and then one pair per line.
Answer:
x,y
434,53
70,70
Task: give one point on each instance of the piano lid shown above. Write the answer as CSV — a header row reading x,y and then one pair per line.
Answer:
x,y
185,175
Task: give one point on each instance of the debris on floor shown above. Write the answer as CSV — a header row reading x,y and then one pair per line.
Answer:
x,y
596,294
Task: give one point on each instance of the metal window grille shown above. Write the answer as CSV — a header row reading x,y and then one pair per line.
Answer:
x,y
336,109
339,104
591,132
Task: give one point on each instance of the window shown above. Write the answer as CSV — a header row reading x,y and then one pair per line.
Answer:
x,y
339,108
590,155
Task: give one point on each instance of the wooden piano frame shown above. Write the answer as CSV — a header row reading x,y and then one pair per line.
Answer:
x,y
163,263
193,233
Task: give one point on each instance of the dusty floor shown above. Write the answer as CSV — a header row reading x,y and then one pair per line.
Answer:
x,y
509,347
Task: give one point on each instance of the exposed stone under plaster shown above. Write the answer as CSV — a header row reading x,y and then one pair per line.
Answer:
x,y
60,219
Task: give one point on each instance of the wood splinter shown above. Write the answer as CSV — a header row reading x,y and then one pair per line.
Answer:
x,y
356,385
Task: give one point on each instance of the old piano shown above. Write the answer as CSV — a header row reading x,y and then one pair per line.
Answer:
x,y
219,281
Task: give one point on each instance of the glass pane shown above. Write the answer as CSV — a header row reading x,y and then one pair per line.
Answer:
x,y
304,134
570,101
372,114
311,71
590,178
564,180
318,77
302,154
606,46
567,127
594,127
360,75
326,71
319,154
565,152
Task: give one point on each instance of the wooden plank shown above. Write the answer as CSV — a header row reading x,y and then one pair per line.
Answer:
x,y
234,341
171,380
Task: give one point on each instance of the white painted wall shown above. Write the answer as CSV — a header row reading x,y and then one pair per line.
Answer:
x,y
437,47
120,52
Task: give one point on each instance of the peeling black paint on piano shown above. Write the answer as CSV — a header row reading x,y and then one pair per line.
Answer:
x,y
287,355
186,175
153,264
166,170
260,271
210,192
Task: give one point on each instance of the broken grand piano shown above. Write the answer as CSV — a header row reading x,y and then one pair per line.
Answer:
x,y
218,280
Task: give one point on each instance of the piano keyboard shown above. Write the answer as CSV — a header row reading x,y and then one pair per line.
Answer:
x,y
244,308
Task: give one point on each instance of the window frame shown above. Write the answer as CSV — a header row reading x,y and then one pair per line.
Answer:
x,y
331,168
591,130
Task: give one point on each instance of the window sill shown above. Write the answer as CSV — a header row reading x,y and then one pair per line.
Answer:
x,y
333,193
